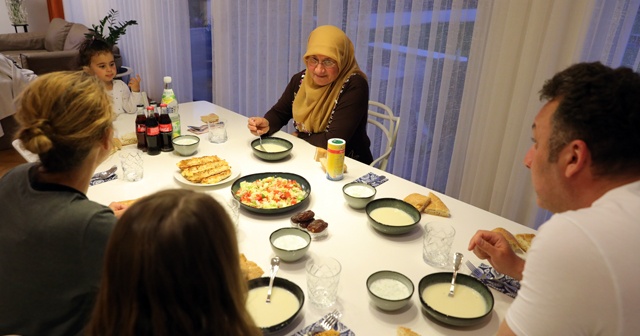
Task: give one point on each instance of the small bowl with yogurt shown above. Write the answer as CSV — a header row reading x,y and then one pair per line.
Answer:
x,y
358,194
289,243
271,148
186,145
392,216
389,290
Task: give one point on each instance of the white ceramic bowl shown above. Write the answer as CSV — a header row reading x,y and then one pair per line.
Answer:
x,y
289,243
389,290
358,194
186,145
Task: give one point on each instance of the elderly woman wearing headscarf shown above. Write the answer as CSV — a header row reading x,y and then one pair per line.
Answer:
x,y
329,99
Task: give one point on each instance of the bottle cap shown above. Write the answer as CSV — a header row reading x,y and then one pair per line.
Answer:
x,y
167,79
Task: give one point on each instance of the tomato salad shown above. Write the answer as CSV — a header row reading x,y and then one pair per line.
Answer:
x,y
270,193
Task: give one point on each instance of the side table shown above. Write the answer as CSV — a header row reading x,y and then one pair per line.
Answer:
x,y
24,27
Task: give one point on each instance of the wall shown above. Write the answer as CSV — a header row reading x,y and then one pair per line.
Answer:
x,y
38,17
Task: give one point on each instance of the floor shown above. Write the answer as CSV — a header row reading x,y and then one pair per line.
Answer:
x,y
9,158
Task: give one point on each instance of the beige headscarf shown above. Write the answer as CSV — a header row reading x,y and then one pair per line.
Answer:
x,y
313,104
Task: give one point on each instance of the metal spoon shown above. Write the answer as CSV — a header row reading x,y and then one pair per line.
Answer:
x,y
105,174
261,146
275,265
457,259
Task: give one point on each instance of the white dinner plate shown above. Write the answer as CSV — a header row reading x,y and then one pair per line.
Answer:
x,y
235,172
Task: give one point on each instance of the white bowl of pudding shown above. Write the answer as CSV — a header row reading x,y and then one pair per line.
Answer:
x,y
471,303
392,216
287,300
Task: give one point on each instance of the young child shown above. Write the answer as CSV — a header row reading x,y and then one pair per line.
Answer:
x,y
96,58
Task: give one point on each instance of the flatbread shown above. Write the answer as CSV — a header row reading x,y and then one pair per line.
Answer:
x,y
524,240
249,269
402,331
128,202
195,171
215,178
211,117
419,201
197,161
436,207
509,237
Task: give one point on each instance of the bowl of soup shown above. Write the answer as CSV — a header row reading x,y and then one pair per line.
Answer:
x,y
289,243
392,216
272,148
186,145
389,290
287,300
358,194
471,303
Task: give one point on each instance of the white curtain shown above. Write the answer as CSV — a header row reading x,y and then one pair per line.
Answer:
x,y
414,53
517,46
158,46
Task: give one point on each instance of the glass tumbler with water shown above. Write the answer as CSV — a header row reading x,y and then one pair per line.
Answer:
x,y
323,276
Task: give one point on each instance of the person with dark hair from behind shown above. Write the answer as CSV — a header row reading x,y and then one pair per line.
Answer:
x,y
52,238
172,267
95,57
581,273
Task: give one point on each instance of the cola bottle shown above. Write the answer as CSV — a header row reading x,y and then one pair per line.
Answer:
x,y
152,134
141,128
166,130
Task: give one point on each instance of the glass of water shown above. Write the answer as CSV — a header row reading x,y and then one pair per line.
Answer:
x,y
323,276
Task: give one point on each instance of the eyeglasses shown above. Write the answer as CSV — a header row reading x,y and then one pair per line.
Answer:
x,y
327,63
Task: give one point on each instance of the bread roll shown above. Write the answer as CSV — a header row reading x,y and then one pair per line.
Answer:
x,y
402,331
437,207
524,240
418,201
509,237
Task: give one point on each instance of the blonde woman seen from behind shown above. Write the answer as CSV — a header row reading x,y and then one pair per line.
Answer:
x,y
172,267
52,238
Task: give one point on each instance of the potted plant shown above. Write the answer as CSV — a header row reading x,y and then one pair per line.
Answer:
x,y
115,29
17,12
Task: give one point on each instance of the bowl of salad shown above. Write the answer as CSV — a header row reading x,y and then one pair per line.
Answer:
x,y
271,193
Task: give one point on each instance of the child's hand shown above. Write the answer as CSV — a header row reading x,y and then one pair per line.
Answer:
x,y
134,83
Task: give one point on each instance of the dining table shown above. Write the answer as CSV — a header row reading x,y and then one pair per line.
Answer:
x,y
360,249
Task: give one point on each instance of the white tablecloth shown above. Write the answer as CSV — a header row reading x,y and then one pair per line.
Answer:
x,y
360,249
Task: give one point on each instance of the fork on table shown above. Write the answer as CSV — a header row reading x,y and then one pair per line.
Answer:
x,y
327,323
475,271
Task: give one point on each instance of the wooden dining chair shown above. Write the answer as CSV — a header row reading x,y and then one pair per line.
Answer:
x,y
383,133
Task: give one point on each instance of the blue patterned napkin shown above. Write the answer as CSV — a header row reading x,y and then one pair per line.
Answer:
x,y
372,179
498,281
98,181
343,329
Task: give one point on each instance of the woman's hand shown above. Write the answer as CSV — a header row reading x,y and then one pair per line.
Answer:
x,y
118,208
493,247
134,83
258,126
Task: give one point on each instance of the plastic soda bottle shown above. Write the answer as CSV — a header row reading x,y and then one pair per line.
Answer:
x,y
169,98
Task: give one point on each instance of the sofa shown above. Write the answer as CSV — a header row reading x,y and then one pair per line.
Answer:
x,y
55,50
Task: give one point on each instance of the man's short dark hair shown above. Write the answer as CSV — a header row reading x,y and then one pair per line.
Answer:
x,y
601,106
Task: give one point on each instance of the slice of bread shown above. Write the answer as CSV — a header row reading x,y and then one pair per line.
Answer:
x,y
249,269
437,207
211,117
511,239
524,240
419,201
320,153
402,331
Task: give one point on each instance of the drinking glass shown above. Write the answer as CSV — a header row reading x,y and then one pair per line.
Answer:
x,y
437,241
217,131
323,276
132,164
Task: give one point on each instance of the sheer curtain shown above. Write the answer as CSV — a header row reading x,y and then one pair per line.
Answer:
x,y
158,46
414,52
